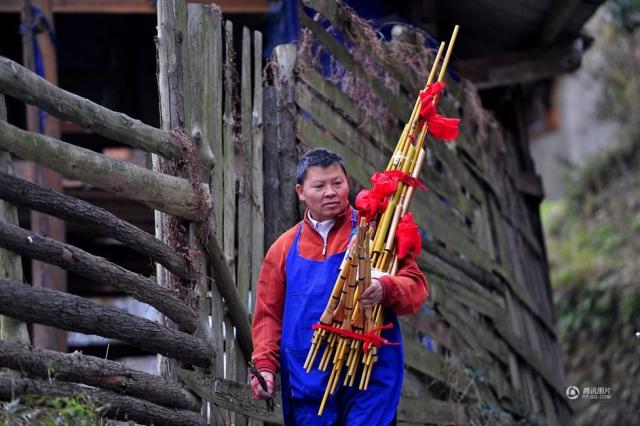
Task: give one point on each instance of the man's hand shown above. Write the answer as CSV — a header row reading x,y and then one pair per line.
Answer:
x,y
373,295
257,391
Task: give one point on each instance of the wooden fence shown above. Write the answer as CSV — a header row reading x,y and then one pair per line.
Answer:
x,y
484,346
206,180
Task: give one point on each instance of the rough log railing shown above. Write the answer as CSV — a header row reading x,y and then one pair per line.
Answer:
x,y
197,183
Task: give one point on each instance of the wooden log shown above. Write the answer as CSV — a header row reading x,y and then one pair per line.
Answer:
x,y
24,193
21,83
169,194
45,364
233,396
84,264
10,264
117,406
73,313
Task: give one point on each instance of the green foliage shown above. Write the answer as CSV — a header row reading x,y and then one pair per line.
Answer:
x,y
50,411
625,14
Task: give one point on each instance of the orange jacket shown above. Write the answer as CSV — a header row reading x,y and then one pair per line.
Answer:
x,y
404,292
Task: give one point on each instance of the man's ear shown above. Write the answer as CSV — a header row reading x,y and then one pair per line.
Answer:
x,y
299,192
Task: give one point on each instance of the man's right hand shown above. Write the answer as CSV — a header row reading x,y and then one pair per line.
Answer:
x,y
257,391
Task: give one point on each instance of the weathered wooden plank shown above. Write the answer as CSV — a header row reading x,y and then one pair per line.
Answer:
x,y
245,158
423,410
284,79
245,195
203,62
231,395
312,136
339,127
10,263
396,104
257,177
340,101
233,355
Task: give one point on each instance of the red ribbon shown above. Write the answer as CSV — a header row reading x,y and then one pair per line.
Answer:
x,y
369,339
406,178
408,238
370,202
440,127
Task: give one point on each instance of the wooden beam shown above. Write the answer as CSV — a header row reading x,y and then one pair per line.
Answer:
x,y
73,313
522,67
115,406
71,258
23,84
93,371
24,193
135,6
172,195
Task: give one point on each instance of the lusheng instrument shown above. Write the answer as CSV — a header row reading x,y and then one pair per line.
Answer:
x,y
351,335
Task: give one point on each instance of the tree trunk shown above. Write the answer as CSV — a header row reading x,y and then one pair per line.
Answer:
x,y
98,372
74,313
22,192
96,268
170,194
19,82
120,407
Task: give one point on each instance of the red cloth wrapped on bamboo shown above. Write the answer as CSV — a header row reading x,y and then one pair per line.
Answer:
x,y
370,202
440,127
408,238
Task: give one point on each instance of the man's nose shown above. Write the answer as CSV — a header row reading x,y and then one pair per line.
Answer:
x,y
329,192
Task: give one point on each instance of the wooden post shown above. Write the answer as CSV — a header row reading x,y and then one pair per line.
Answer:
x,y
257,173
232,353
285,57
204,32
44,58
10,263
172,52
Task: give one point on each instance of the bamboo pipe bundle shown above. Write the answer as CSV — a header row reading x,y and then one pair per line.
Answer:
x,y
411,162
343,319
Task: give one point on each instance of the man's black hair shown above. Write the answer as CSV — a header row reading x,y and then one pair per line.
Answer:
x,y
317,157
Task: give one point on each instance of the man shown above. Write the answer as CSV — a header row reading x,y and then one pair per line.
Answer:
x,y
295,283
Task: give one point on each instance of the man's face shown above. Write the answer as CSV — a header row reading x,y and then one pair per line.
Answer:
x,y
325,191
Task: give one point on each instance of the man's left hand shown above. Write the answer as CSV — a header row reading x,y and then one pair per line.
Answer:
x,y
373,295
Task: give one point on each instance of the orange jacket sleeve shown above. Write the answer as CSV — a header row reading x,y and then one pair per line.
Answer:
x,y
267,316
407,290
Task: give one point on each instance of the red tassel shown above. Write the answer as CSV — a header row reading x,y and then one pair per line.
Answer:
x,y
370,202
439,127
408,238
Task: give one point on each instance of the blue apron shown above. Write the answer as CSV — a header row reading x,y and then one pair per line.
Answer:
x,y
308,287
